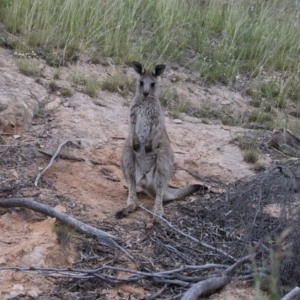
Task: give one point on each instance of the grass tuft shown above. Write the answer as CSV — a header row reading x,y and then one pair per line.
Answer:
x,y
92,86
118,83
251,156
28,67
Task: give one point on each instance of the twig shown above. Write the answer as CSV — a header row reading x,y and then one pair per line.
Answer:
x,y
214,283
188,236
98,163
292,294
102,236
109,176
64,156
154,296
50,163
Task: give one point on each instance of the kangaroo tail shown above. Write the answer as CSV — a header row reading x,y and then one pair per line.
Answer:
x,y
172,193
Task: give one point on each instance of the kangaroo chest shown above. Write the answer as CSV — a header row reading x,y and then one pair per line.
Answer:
x,y
147,119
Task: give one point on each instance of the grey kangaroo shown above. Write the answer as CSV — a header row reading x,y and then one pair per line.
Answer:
x,y
147,158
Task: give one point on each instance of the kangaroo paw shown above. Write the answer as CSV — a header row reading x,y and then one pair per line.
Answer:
x,y
125,211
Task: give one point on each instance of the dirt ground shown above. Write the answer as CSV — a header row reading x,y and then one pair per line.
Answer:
x,y
82,188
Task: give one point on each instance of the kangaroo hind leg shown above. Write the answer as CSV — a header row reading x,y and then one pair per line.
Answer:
x,y
162,174
128,168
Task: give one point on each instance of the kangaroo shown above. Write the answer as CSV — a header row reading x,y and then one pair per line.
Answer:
x,y
147,158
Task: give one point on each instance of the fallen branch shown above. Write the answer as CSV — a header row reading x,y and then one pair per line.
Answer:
x,y
51,162
214,283
168,277
292,294
205,286
188,236
102,236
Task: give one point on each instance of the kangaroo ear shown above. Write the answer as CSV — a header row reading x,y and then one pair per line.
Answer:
x,y
158,70
138,68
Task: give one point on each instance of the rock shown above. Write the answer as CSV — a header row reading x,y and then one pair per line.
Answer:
x,y
32,294
15,294
60,208
207,197
19,97
53,104
17,291
16,136
66,104
18,287
177,121
225,102
2,261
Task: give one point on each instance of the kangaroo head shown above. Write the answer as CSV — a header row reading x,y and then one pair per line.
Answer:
x,y
147,83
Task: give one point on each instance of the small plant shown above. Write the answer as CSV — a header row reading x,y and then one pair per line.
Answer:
x,y
118,83
227,119
205,121
53,86
91,87
56,74
66,92
64,234
37,112
255,102
245,142
258,167
177,109
253,92
270,89
79,80
281,101
28,67
167,96
259,116
251,155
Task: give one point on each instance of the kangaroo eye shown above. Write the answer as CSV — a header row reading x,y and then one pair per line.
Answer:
x,y
141,83
153,84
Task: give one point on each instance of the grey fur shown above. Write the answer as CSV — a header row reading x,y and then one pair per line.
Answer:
x,y
147,158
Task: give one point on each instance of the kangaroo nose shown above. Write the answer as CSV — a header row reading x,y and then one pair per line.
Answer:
x,y
145,94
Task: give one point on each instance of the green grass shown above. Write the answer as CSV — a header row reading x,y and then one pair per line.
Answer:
x,y
251,156
229,38
90,83
222,41
118,83
53,86
56,74
28,67
92,86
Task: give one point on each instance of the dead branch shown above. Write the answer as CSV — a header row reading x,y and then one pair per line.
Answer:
x,y
214,283
51,162
102,236
167,277
188,236
205,286
292,294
